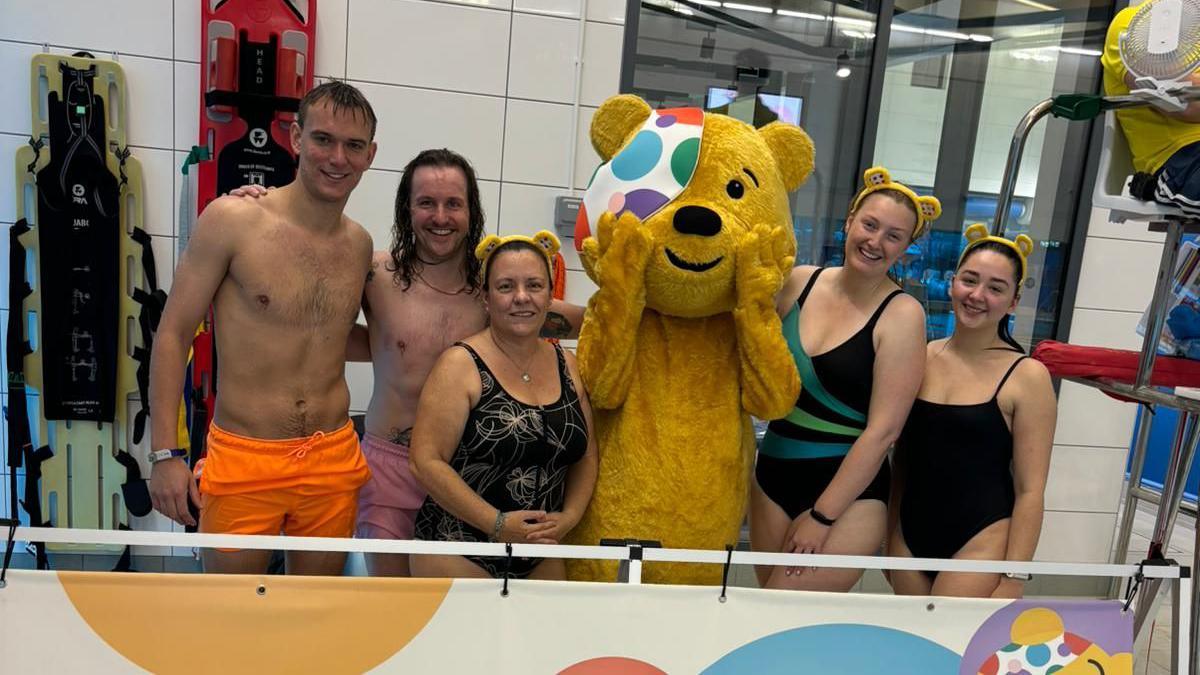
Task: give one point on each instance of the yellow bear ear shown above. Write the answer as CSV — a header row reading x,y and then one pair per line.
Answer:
x,y
617,118
976,232
876,176
1024,243
547,241
793,152
485,247
931,208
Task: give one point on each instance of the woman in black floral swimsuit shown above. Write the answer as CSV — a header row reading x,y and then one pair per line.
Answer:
x,y
503,436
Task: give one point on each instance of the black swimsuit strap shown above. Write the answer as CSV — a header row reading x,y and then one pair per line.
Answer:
x,y
809,286
879,310
1006,375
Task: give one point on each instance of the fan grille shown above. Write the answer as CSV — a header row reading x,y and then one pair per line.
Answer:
x,y
1170,65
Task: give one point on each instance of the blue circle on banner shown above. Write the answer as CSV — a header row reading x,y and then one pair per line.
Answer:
x,y
639,157
846,649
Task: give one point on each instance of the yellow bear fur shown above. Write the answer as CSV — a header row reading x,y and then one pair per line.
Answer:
x,y
675,361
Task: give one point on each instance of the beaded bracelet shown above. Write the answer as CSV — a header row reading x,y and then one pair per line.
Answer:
x,y
498,526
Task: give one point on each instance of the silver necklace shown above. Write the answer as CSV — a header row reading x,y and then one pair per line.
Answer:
x,y
524,371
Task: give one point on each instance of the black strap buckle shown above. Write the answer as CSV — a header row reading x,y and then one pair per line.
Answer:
x,y
725,572
507,569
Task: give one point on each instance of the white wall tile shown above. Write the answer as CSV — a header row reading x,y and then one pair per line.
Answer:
x,y
612,11
148,86
1105,328
164,260
187,30
601,63
1088,417
8,196
569,8
586,159
158,171
331,38
361,381
141,27
489,197
579,288
1076,537
4,232
187,105
525,209
1099,226
371,204
542,59
411,120
14,87
1085,479
1117,274
448,47
535,143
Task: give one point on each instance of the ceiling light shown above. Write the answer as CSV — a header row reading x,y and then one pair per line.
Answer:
x,y
843,66
947,34
707,3
905,28
854,22
980,38
802,15
1037,5
1078,51
747,8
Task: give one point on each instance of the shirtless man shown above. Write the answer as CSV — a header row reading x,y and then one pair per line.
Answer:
x,y
421,297
285,276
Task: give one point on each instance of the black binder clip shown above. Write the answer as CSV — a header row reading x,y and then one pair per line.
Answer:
x,y
10,543
1132,586
507,569
725,572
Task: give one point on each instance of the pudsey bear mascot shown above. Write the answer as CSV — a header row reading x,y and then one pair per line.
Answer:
x,y
686,231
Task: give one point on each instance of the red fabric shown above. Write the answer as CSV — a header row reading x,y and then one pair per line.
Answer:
x,y
1067,360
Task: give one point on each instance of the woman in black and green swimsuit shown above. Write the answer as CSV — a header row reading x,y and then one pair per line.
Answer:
x,y
822,475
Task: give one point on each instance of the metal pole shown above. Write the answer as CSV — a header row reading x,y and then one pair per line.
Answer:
x,y
1181,459
1181,627
1137,466
1008,184
1158,309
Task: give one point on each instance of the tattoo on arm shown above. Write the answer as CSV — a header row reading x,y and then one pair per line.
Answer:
x,y
556,326
371,272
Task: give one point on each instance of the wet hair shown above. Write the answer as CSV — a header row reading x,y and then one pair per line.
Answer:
x,y
341,96
896,196
513,247
404,240
1002,329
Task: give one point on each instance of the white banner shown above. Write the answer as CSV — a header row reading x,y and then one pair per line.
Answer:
x,y
103,622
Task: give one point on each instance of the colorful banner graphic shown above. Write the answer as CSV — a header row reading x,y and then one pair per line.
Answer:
x,y
102,622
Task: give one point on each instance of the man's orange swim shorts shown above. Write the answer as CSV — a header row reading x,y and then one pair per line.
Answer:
x,y
305,487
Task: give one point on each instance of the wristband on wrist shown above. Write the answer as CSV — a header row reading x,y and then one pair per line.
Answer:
x,y
157,456
821,517
498,526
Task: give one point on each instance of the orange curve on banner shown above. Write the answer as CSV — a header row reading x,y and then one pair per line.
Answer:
x,y
180,623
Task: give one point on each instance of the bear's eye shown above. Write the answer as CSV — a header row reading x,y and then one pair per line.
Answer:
x,y
735,189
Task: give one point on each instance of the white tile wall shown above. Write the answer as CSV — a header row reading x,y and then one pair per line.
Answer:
x,y
1117,274
1110,328
1085,479
429,44
438,72
1069,536
1088,417
539,70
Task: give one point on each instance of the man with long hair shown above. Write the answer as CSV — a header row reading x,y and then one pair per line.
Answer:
x,y
421,296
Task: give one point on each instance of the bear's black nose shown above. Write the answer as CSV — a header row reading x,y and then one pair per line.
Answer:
x,y
697,220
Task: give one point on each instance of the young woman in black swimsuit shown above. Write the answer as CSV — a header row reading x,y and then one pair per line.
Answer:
x,y
972,460
822,478
503,437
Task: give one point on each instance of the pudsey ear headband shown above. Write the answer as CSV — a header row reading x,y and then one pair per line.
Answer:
x,y
977,234
545,242
877,178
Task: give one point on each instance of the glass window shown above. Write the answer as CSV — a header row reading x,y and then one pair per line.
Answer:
x,y
935,97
